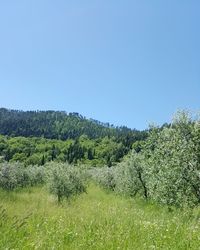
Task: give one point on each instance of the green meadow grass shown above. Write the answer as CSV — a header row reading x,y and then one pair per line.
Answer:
x,y
32,219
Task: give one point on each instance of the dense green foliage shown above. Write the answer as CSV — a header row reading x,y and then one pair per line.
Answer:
x,y
37,137
31,219
38,151
166,168
62,125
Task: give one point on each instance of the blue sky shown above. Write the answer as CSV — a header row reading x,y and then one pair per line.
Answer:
x,y
125,62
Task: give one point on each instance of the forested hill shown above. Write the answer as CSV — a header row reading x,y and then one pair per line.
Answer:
x,y
62,125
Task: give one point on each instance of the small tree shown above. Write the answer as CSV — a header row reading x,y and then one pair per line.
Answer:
x,y
65,181
104,176
9,175
173,162
15,175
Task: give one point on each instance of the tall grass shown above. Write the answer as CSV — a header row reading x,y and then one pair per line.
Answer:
x,y
32,219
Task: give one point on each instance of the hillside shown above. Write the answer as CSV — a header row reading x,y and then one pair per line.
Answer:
x,y
36,137
60,125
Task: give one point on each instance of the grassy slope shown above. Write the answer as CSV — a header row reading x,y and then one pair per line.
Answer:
x,y
31,219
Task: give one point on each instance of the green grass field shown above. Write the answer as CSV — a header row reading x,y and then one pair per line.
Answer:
x,y
32,219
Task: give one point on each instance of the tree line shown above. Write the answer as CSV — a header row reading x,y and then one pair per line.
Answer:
x,y
62,126
38,151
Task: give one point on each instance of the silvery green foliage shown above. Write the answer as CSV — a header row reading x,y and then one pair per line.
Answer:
x,y
35,175
15,175
105,177
127,178
167,169
9,175
172,157
64,180
130,176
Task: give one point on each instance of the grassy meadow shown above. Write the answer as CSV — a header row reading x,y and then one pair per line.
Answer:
x,y
32,219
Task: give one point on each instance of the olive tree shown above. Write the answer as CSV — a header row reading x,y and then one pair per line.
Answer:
x,y
173,162
65,181
130,176
165,169
15,175
104,176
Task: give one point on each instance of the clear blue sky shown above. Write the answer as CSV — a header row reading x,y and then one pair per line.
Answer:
x,y
125,62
